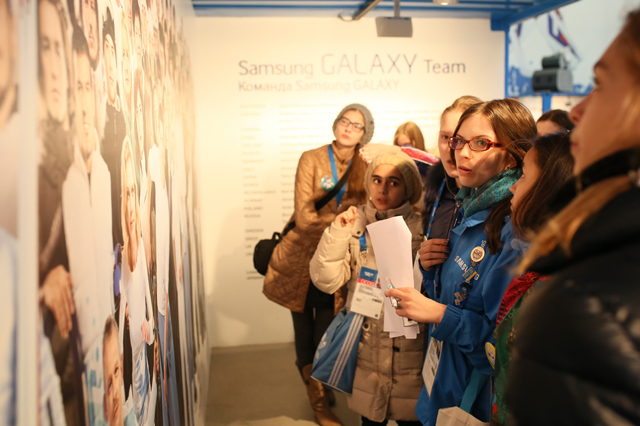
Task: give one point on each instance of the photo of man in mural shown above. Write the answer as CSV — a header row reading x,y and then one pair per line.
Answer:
x,y
117,411
89,12
115,128
86,207
135,293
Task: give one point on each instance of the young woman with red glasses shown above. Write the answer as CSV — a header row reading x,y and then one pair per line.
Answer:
x,y
466,273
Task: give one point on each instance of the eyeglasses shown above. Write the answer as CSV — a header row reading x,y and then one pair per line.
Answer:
x,y
345,122
474,144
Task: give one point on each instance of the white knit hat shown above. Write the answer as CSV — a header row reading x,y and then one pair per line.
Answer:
x,y
406,166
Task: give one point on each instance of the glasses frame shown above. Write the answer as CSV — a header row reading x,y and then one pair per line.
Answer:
x,y
465,141
350,123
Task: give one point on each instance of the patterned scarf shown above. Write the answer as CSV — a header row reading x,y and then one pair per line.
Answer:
x,y
489,194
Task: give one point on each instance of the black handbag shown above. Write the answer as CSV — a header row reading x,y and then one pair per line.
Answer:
x,y
263,251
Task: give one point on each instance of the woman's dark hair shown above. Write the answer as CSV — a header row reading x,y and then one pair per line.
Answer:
x,y
558,116
108,28
514,127
553,159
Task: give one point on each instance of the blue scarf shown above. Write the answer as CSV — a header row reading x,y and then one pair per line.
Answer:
x,y
489,194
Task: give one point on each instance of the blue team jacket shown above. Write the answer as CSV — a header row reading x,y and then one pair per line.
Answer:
x,y
465,331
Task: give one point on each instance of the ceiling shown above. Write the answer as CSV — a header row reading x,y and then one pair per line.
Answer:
x,y
501,12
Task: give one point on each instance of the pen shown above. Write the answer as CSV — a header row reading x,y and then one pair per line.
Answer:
x,y
393,300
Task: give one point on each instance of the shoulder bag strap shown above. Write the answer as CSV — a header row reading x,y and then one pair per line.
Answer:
x,y
476,383
324,200
329,195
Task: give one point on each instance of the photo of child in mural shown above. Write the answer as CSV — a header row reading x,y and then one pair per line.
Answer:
x,y
120,289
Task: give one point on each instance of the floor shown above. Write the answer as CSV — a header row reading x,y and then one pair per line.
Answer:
x,y
260,386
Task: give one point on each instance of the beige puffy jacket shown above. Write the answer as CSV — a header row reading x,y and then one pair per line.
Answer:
x,y
388,375
287,279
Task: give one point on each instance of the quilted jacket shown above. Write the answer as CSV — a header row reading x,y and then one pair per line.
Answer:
x,y
389,371
287,279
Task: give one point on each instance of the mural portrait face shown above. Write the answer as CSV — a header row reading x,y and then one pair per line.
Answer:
x,y
110,68
7,48
85,106
126,65
113,382
90,27
53,60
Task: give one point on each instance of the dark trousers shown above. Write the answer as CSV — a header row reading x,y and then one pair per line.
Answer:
x,y
367,422
309,326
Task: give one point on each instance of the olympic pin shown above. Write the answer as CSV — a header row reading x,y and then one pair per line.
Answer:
x,y
477,254
327,183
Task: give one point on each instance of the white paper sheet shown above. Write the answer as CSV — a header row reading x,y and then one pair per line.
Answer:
x,y
391,240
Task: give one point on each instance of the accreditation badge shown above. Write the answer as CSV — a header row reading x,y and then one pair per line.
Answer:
x,y
431,363
327,183
367,298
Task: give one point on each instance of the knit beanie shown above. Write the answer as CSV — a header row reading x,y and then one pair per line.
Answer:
x,y
368,120
406,166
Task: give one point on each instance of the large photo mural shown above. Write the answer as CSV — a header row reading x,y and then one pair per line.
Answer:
x,y
119,264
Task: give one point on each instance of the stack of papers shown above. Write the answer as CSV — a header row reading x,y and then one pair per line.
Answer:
x,y
391,240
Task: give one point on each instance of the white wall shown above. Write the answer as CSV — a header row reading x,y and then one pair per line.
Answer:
x,y
252,127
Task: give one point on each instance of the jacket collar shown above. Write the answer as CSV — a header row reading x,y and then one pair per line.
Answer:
x,y
471,221
374,215
614,226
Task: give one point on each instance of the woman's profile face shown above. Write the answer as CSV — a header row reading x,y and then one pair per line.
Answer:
x,y
448,123
130,197
54,61
600,116
530,175
475,168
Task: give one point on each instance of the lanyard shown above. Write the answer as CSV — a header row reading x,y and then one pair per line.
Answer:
x,y
334,170
435,207
363,242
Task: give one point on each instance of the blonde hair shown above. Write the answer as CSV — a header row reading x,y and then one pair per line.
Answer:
x,y
561,229
413,132
127,156
461,104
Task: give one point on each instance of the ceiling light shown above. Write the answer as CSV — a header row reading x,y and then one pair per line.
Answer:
x,y
445,2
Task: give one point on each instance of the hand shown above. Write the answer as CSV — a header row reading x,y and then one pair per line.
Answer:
x,y
146,331
347,218
372,150
415,306
56,295
433,252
